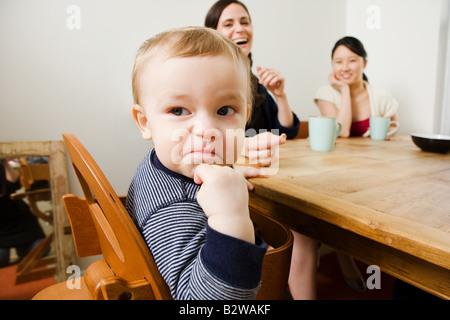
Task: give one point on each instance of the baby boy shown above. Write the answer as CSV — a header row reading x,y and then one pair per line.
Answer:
x,y
192,97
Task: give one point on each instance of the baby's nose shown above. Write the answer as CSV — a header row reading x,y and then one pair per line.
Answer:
x,y
205,133
203,125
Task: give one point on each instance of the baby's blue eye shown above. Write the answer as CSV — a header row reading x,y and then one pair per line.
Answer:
x,y
179,111
225,111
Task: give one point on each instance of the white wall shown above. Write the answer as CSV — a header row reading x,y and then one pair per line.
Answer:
x,y
444,66
405,55
296,37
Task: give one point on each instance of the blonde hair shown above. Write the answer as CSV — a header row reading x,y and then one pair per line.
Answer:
x,y
188,42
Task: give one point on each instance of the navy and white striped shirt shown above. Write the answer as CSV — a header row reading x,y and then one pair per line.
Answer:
x,y
196,261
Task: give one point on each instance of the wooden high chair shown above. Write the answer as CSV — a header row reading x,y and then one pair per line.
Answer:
x,y
34,179
277,261
101,224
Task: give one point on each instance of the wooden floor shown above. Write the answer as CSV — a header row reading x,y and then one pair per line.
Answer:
x,y
25,291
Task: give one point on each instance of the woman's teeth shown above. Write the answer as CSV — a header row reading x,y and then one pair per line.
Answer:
x,y
240,41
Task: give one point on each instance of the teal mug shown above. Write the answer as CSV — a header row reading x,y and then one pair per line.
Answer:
x,y
323,132
379,127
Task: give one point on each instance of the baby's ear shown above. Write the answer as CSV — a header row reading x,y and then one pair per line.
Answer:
x,y
141,120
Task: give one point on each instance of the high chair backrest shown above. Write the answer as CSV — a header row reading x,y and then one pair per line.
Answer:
x,y
122,246
33,173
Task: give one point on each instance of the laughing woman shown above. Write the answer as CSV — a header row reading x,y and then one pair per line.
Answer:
x,y
232,19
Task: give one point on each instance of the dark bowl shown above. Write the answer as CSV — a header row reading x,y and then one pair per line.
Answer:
x,y
436,143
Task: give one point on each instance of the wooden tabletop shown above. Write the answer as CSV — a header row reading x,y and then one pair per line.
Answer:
x,y
384,202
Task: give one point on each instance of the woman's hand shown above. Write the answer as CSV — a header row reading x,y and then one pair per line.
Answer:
x,y
335,83
272,79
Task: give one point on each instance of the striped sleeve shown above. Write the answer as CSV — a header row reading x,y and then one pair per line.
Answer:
x,y
193,265
196,261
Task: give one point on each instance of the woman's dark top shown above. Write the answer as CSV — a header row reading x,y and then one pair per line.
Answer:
x,y
18,225
264,115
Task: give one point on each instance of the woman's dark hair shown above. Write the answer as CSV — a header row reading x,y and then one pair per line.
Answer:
x,y
353,45
214,13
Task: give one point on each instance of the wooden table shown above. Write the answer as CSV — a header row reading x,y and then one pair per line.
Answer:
x,y
385,203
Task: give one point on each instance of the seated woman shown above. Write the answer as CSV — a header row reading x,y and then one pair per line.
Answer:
x,y
349,97
351,100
